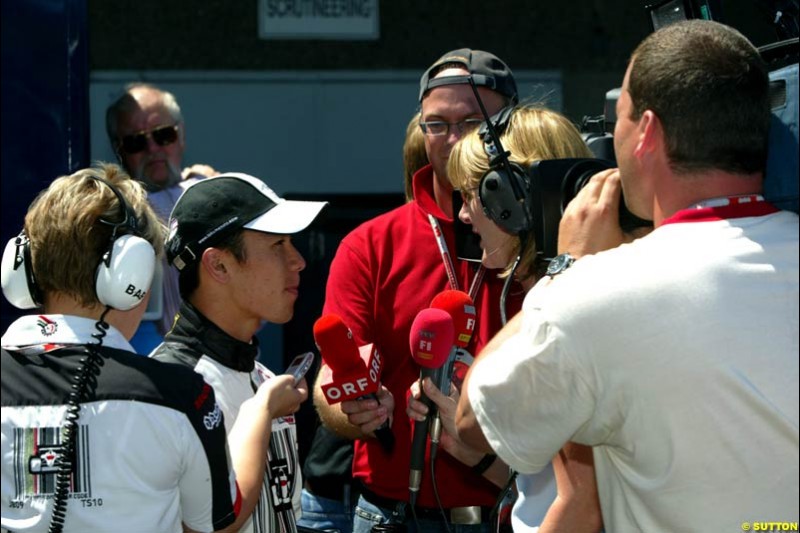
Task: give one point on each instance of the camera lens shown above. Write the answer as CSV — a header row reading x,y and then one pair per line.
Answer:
x,y
578,176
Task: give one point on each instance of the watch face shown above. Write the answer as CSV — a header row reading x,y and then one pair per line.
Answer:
x,y
559,264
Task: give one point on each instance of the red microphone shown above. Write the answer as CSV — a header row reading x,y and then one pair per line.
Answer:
x,y
431,338
461,309
351,372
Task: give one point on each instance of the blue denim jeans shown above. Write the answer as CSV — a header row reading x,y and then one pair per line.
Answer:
x,y
368,515
324,514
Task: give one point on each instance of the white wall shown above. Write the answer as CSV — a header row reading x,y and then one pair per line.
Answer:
x,y
321,131
301,132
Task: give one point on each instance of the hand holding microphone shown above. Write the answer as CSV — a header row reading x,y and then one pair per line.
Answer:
x,y
353,373
431,339
445,412
461,309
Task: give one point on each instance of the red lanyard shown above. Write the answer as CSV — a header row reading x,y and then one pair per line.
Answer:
x,y
751,205
448,261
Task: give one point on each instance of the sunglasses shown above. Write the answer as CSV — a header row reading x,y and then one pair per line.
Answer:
x,y
137,142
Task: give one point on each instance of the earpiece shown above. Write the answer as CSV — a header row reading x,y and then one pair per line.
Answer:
x,y
126,270
498,195
503,190
122,278
123,281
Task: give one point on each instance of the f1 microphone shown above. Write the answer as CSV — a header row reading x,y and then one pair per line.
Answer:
x,y
431,338
461,309
352,372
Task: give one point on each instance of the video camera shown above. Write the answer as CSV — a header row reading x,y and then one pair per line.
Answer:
x,y
554,183
781,179
561,180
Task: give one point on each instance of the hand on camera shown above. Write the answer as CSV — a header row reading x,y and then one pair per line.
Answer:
x,y
591,220
369,414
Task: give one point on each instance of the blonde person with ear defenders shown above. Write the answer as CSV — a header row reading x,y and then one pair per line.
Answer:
x,y
528,133
95,437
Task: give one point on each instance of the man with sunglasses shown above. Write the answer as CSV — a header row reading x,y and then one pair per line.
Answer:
x,y
145,127
384,273
146,131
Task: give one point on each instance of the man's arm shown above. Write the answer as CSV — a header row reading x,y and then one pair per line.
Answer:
x,y
497,472
349,294
469,430
590,225
577,505
249,438
246,444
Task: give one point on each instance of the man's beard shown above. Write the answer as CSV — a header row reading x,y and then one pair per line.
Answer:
x,y
173,178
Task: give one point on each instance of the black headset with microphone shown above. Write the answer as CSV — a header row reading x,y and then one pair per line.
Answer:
x,y
509,197
503,188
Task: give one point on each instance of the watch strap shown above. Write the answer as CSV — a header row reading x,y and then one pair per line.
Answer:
x,y
484,464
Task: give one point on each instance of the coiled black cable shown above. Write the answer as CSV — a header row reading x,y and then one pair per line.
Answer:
x,y
88,370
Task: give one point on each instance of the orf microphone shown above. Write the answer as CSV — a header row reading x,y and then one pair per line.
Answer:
x,y
352,373
461,309
431,338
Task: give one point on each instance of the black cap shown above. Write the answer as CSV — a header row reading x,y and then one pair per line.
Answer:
x,y
214,208
486,69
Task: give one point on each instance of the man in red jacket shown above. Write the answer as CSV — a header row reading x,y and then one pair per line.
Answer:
x,y
389,269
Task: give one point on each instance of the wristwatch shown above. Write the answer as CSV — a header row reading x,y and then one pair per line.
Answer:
x,y
559,264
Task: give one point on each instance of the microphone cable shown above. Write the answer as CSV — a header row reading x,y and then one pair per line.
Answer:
x,y
436,488
506,287
414,516
86,376
494,517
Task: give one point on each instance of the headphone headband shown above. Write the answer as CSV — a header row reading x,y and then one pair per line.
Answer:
x,y
129,221
500,122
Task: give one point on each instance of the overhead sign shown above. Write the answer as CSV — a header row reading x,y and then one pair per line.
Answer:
x,y
318,19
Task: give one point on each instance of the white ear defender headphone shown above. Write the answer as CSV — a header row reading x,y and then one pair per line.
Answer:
x,y
122,278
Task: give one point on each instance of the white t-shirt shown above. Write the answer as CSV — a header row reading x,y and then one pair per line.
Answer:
x,y
676,357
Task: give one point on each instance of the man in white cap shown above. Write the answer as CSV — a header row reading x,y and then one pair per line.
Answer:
x,y
230,238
